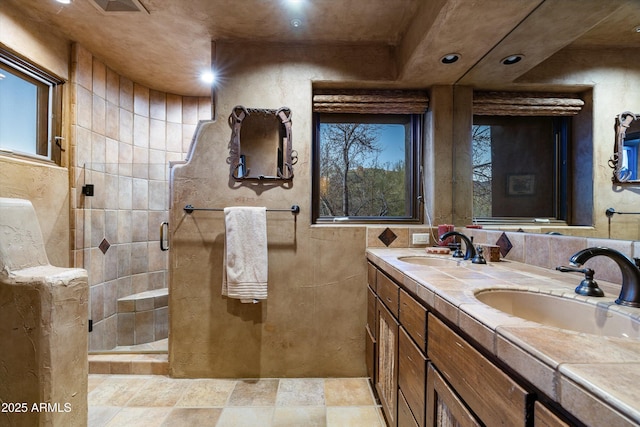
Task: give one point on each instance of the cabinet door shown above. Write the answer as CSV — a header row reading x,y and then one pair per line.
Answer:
x,y
387,370
412,371
444,408
370,350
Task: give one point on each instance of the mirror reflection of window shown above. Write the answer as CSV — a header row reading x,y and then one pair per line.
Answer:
x,y
630,155
519,167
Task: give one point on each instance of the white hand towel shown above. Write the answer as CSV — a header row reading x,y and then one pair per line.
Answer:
x,y
245,269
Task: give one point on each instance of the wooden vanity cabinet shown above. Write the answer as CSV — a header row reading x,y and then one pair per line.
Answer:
x,y
486,390
426,374
396,351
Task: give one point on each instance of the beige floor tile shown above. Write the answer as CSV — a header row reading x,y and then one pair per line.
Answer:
x,y
94,381
139,417
192,417
159,391
307,416
116,390
206,393
99,416
347,392
354,416
246,417
300,392
254,393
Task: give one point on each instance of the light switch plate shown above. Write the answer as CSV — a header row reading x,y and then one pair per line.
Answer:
x,y
420,238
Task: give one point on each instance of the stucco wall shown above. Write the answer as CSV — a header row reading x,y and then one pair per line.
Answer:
x,y
312,323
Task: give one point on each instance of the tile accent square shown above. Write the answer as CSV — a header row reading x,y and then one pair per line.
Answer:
x,y
387,236
104,246
505,244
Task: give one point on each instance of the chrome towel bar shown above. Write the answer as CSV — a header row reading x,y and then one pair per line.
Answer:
x,y
295,209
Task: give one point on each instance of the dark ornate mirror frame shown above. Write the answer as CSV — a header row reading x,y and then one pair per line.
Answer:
x,y
287,157
621,174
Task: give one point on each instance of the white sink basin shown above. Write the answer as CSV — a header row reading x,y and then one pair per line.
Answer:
x,y
432,261
561,312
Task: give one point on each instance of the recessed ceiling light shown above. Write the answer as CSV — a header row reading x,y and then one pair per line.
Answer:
x,y
296,23
512,59
208,77
450,58
64,1
637,29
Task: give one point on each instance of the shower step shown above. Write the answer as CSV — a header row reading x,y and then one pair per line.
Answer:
x,y
129,364
143,317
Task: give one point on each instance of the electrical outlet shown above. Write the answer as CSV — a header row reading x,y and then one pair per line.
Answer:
x,y
420,238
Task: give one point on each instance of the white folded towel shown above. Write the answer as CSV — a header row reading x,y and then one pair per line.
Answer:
x,y
245,269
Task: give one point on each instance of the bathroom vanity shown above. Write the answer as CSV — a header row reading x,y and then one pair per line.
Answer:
x,y
439,356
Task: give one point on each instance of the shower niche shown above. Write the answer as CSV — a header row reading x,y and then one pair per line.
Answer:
x,y
260,148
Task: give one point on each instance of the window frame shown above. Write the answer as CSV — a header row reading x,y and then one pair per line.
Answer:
x,y
49,109
413,172
561,130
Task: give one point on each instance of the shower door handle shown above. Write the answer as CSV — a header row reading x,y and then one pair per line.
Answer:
x,y
163,225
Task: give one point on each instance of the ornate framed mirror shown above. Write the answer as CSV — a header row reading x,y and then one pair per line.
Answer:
x,y
625,160
260,147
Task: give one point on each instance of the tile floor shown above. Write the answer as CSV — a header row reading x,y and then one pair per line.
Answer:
x,y
157,400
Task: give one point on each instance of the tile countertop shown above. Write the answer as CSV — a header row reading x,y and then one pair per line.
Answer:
x,y
596,378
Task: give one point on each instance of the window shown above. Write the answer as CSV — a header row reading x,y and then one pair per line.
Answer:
x,y
365,167
30,109
520,168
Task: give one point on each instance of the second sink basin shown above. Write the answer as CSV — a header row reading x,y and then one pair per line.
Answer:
x,y
561,312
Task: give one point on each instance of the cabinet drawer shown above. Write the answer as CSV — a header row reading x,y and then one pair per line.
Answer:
x,y
494,397
412,372
371,311
543,417
388,293
370,351
413,316
371,276
405,417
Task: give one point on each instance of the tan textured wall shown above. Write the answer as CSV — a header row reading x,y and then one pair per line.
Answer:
x,y
312,323
47,187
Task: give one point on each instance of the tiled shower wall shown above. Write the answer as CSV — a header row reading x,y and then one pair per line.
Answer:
x,y
122,138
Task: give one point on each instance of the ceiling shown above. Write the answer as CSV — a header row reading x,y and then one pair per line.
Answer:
x,y
168,44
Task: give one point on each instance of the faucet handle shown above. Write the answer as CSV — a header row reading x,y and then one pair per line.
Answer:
x,y
588,287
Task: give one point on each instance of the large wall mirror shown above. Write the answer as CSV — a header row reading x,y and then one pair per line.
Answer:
x,y
625,160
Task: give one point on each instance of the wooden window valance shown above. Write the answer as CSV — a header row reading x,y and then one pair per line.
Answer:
x,y
395,101
526,104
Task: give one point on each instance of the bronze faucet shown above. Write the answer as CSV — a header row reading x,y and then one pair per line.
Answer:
x,y
630,292
470,250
